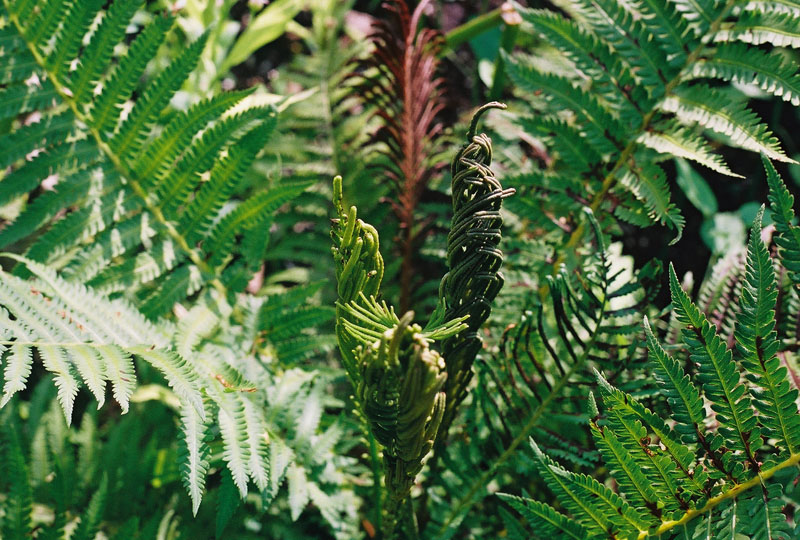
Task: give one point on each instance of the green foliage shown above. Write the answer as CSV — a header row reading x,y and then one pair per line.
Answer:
x,y
689,477
632,84
168,317
120,195
530,385
130,210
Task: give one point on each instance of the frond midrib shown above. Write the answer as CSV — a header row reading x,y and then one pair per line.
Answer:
x,y
735,491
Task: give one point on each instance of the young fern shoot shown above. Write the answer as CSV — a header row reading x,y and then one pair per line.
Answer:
x,y
402,385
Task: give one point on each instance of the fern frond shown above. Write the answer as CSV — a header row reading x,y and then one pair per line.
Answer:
x,y
473,258
682,395
687,476
97,54
90,519
756,337
782,211
17,519
630,91
125,187
757,27
124,77
739,63
709,108
597,508
545,519
588,318
399,86
681,143
599,125
647,182
718,373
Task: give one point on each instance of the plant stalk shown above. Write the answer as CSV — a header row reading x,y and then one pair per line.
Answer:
x,y
471,29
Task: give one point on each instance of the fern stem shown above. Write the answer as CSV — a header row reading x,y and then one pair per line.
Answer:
x,y
377,477
412,531
135,184
732,493
471,29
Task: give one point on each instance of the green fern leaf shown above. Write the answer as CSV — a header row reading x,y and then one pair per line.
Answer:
x,y
254,212
42,26
17,519
718,373
758,344
739,63
94,59
626,471
134,129
77,20
648,184
46,132
547,521
682,395
700,104
158,156
598,123
175,187
680,142
125,76
197,218
673,471
596,508
758,27
782,211
91,518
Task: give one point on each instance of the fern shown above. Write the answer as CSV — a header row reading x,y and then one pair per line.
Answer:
x,y
129,190
400,380
690,478
640,84
399,85
150,214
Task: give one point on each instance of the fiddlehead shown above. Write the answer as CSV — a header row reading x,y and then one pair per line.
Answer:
x,y
397,378
473,258
401,398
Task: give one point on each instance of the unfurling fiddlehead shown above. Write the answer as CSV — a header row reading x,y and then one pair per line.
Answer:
x,y
400,392
359,272
404,390
473,258
397,377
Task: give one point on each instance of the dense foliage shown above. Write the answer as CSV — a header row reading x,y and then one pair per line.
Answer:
x,y
208,211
